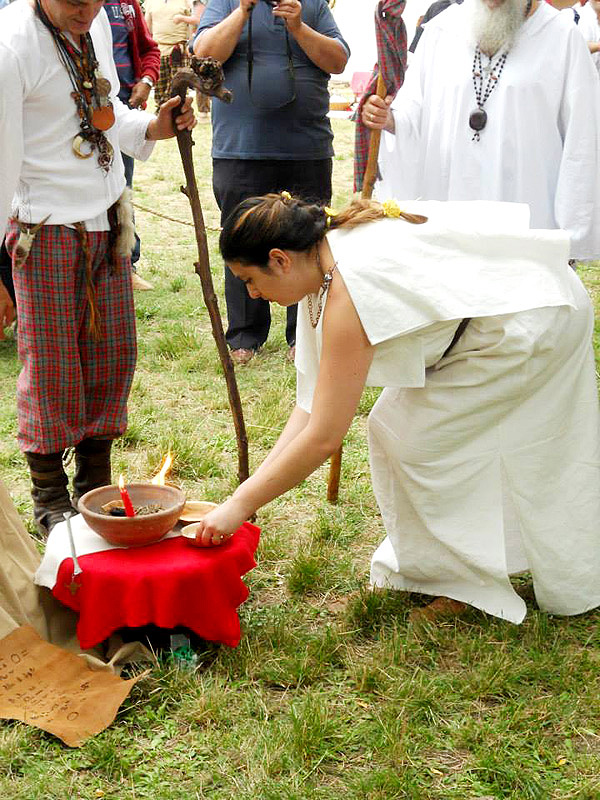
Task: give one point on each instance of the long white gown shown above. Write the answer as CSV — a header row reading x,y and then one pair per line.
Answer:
x,y
541,144
485,462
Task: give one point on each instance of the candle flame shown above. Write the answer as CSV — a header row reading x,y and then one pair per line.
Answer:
x,y
121,482
159,478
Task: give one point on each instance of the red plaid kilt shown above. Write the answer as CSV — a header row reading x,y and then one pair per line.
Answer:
x,y
71,386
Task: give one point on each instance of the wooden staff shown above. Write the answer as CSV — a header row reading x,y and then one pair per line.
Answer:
x,y
335,466
206,76
374,141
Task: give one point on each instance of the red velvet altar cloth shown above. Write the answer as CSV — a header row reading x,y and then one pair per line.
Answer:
x,y
168,584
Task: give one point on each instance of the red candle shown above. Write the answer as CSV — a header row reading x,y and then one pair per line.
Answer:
x,y
128,505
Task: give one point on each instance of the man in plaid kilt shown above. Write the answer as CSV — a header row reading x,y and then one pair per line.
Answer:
x,y
166,22
60,206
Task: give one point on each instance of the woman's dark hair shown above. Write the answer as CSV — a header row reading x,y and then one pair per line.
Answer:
x,y
259,224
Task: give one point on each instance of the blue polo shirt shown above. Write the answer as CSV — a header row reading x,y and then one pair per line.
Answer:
x,y
269,123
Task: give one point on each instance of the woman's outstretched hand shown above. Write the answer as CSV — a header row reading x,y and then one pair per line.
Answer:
x,y
219,525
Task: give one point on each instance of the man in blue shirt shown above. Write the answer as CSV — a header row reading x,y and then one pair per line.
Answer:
x,y
276,135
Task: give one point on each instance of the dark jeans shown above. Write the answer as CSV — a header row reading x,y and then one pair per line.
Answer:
x,y
129,163
233,181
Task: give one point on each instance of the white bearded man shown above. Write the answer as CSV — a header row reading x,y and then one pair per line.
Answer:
x,y
61,177
500,103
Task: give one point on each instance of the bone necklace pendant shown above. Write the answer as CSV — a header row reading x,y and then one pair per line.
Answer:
x,y
78,143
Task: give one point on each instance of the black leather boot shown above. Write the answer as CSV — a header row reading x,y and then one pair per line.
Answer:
x,y
49,489
92,466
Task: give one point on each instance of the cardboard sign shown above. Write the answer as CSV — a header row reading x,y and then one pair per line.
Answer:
x,y
49,688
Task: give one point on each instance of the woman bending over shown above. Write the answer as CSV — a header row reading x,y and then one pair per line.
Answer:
x,y
484,447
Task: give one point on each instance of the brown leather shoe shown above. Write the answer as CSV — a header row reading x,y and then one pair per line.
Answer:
x,y
242,356
442,608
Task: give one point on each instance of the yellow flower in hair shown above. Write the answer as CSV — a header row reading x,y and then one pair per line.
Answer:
x,y
286,196
392,209
330,213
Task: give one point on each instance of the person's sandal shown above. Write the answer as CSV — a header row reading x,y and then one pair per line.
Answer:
x,y
442,608
242,356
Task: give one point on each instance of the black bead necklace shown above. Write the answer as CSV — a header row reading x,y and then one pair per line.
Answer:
x,y
478,118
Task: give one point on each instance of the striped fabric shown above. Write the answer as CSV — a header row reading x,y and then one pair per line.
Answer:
x,y
71,387
120,16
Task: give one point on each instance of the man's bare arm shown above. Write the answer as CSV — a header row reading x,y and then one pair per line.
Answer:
x,y
220,41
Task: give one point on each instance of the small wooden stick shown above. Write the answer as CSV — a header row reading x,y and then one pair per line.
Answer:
x,y
335,466
206,75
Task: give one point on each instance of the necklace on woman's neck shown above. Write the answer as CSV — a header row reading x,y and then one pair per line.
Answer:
x,y
325,284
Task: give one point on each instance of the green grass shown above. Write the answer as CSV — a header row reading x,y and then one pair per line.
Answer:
x,y
332,692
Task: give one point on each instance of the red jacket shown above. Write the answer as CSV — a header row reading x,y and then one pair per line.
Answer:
x,y
145,54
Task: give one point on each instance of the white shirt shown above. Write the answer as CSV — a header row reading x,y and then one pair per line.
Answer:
x,y
541,144
39,172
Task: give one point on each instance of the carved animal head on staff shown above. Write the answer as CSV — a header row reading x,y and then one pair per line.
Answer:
x,y
205,75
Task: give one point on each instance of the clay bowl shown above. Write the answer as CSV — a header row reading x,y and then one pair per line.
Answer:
x,y
133,531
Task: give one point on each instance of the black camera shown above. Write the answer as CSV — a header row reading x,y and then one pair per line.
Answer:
x,y
272,3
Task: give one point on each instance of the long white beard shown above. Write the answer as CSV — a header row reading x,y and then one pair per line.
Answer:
x,y
495,29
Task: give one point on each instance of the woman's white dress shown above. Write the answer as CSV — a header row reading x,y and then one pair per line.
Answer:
x,y
485,462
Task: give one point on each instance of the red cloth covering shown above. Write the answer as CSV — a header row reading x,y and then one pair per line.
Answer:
x,y
168,584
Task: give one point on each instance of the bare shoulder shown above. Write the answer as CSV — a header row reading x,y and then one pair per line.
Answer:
x,y
341,322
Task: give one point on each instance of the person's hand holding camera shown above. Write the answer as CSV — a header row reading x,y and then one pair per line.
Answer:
x,y
290,11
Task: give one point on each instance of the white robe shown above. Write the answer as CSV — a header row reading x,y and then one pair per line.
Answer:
x,y
485,462
541,144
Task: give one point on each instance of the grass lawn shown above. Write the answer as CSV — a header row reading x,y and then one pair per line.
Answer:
x,y
318,701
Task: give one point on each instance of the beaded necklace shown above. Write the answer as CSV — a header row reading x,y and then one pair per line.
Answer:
x,y
91,93
478,118
324,287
